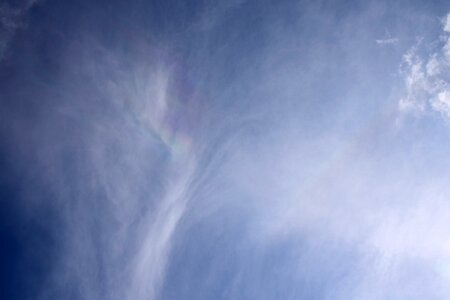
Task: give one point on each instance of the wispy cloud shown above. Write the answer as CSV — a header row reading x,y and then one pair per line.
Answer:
x,y
446,23
387,41
11,19
243,153
425,74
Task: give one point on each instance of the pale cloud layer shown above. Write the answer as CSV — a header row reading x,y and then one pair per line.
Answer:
x,y
249,150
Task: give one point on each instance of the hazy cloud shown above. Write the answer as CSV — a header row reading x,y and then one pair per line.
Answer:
x,y
11,19
246,150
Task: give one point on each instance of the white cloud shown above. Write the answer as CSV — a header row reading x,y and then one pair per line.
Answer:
x,y
388,41
433,66
441,102
417,85
447,23
426,77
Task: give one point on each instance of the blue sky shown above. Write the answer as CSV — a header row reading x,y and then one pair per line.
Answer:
x,y
224,149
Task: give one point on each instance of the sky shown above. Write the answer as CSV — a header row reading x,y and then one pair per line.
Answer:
x,y
224,149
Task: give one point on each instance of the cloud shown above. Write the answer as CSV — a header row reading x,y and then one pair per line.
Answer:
x,y
394,229
11,19
425,73
388,41
309,203
132,123
446,23
441,102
